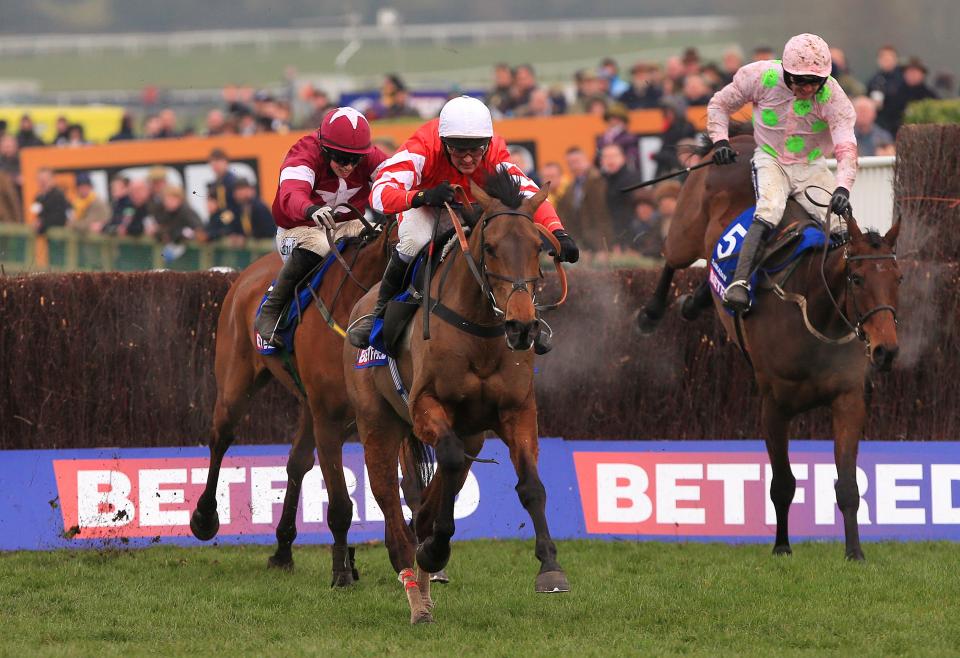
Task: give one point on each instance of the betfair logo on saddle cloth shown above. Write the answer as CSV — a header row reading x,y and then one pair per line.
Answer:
x,y
370,357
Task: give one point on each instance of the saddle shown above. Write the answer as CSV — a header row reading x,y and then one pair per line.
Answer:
x,y
388,331
306,292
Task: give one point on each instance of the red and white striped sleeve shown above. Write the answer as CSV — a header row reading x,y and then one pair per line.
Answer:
x,y
396,183
298,173
546,214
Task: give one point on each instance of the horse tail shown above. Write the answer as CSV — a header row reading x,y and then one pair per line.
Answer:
x,y
704,144
423,460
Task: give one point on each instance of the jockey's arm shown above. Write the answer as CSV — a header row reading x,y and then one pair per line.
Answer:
x,y
395,186
296,186
546,214
725,102
841,117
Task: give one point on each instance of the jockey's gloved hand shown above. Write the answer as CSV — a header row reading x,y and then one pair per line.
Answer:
x,y
840,201
433,196
569,251
723,153
322,215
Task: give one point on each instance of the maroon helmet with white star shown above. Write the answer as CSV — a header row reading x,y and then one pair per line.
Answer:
x,y
345,129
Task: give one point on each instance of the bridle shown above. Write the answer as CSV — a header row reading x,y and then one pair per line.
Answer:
x,y
483,275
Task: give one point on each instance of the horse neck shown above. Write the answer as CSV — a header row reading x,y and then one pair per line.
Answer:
x,y
462,291
820,308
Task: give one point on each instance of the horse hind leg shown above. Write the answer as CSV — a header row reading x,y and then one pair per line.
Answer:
x,y
650,315
693,304
299,464
237,384
783,484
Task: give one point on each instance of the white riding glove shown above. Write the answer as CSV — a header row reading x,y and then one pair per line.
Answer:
x,y
322,216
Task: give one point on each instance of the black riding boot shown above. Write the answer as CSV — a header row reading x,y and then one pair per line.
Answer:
x,y
359,333
737,295
300,263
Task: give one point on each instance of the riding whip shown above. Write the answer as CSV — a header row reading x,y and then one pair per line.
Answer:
x,y
666,176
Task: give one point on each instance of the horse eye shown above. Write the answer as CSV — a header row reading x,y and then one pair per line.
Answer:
x,y
487,249
856,279
899,279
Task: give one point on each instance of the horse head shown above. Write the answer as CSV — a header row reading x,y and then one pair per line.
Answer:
x,y
873,283
509,245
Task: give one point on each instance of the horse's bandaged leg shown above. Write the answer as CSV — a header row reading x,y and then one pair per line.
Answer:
x,y
419,612
772,187
423,582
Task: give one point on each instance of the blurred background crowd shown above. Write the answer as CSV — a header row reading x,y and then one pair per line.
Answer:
x,y
585,186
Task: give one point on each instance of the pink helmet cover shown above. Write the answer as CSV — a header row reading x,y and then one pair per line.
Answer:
x,y
807,54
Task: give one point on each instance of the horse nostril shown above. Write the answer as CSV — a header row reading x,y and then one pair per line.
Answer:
x,y
513,328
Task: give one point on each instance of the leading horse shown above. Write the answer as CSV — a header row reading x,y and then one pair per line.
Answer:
x,y
811,340
474,374
325,412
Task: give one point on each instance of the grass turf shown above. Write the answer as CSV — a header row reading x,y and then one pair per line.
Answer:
x,y
627,598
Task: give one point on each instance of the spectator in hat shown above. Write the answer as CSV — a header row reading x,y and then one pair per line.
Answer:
x,y
645,226
914,88
866,130
617,121
224,180
50,207
90,212
676,128
644,92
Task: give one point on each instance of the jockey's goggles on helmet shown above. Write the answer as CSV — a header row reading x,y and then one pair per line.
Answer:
x,y
461,146
342,157
810,80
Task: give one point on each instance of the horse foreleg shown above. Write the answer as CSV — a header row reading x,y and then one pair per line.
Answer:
x,y
339,505
849,414
381,451
432,426
234,392
519,431
691,305
783,484
299,464
651,314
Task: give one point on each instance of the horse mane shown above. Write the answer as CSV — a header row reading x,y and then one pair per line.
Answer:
x,y
503,185
873,238
736,129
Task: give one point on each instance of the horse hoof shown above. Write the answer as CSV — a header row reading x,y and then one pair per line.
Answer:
x,y
282,563
432,559
421,617
204,527
550,582
689,310
440,577
647,321
342,579
783,549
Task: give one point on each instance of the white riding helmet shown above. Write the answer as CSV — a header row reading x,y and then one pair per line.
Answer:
x,y
465,117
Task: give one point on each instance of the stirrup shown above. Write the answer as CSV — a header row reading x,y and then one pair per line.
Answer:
x,y
741,283
356,339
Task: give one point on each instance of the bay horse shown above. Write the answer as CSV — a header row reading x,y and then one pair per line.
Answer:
x,y
474,374
811,340
325,412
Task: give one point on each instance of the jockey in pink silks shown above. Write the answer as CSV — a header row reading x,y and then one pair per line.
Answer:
x,y
800,116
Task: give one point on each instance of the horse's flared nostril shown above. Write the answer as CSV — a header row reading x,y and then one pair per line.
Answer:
x,y
883,357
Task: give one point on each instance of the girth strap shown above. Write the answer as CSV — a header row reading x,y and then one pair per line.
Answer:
x,y
453,318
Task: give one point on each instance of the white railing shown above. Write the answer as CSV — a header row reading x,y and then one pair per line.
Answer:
x,y
43,44
872,193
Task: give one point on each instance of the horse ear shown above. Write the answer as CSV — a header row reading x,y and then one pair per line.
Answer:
x,y
482,197
539,197
853,228
891,237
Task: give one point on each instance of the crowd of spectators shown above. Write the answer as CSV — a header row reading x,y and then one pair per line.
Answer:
x,y
586,187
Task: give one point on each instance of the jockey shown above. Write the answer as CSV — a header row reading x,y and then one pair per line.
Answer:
x,y
800,115
321,171
456,148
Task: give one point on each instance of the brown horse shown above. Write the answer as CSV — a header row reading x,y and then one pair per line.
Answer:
x,y
325,411
801,337
462,384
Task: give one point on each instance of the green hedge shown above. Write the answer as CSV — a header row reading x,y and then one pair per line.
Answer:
x,y
933,111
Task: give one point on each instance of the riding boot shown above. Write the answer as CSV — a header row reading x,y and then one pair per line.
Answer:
x,y
300,263
737,295
390,285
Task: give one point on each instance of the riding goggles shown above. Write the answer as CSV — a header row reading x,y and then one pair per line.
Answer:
x,y
462,147
342,157
811,80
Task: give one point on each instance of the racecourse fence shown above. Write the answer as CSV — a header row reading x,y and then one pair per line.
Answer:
x,y
126,360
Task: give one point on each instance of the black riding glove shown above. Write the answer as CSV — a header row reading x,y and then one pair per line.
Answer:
x,y
434,196
569,251
840,202
723,153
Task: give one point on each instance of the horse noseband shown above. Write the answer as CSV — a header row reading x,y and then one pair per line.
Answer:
x,y
863,317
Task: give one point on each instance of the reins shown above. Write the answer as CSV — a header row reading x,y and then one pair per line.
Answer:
x,y
331,238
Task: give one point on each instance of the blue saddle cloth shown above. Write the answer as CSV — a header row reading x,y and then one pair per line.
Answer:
x,y
302,302
723,260
377,333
